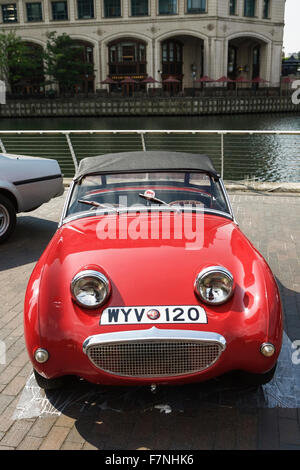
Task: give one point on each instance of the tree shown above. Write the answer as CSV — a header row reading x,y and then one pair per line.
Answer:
x,y
16,62
64,62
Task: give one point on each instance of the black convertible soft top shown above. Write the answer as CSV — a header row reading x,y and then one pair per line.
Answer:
x,y
129,162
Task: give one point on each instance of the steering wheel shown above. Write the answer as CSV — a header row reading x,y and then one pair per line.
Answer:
x,y
184,202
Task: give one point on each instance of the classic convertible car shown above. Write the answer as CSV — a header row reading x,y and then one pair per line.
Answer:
x,y
148,280
25,184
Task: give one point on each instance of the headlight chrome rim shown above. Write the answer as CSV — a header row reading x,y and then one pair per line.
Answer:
x,y
210,271
98,276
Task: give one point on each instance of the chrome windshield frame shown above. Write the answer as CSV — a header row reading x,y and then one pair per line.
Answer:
x,y
159,208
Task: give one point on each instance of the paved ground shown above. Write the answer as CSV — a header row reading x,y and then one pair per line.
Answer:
x,y
193,417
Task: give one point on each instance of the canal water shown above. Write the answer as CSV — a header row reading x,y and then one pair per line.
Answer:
x,y
263,158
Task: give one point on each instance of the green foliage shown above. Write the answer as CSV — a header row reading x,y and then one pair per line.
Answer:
x,y
64,62
16,61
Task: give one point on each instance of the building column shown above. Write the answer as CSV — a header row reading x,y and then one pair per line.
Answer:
x,y
157,61
125,9
103,67
217,59
97,65
276,61
45,7
72,11
21,11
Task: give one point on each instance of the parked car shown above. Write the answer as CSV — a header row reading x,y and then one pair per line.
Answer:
x,y
124,294
25,184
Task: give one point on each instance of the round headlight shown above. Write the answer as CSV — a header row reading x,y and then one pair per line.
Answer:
x,y
214,285
90,289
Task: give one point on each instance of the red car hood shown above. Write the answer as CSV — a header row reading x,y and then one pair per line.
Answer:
x,y
154,271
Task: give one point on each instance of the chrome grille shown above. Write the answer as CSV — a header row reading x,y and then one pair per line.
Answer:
x,y
154,358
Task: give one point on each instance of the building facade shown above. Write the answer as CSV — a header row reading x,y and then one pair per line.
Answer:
x,y
138,38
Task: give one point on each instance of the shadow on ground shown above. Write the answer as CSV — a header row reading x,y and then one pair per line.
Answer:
x,y
197,416
27,243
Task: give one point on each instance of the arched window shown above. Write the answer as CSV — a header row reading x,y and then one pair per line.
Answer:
x,y
172,57
127,57
31,72
86,55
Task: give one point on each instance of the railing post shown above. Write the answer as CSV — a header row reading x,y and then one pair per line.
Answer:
x,y
72,151
2,146
222,155
143,141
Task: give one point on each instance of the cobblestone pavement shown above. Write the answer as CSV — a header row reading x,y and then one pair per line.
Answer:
x,y
207,416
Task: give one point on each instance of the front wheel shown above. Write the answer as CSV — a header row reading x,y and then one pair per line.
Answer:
x,y
7,218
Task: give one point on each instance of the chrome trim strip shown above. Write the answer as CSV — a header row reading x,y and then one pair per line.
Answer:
x,y
227,200
66,204
135,210
154,334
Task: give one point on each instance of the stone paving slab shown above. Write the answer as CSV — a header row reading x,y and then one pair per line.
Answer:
x,y
208,416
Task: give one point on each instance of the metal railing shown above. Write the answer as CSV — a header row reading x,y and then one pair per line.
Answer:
x,y
237,155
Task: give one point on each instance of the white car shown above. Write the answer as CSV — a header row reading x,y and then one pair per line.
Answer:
x,y
25,184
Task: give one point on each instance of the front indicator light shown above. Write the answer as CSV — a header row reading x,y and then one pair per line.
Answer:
x,y
214,285
41,355
90,289
267,349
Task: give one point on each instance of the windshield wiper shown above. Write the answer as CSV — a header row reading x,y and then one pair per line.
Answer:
x,y
153,199
97,204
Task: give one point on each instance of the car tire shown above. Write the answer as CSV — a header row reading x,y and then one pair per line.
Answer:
x,y
50,384
8,218
256,380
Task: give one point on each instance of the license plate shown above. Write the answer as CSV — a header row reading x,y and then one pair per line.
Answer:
x,y
153,314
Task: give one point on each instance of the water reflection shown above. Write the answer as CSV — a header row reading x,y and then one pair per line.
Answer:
x,y
265,158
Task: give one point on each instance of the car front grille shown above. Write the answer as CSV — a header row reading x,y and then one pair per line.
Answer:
x,y
154,358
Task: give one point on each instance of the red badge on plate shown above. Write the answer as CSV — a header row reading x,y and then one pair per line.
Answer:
x,y
153,314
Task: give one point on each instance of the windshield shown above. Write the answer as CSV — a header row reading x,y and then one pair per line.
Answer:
x,y
119,191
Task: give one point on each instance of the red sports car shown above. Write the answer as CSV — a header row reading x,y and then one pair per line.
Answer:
x,y
148,280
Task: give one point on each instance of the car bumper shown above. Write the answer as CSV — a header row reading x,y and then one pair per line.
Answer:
x,y
155,355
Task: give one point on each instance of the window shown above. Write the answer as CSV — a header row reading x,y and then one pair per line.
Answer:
x,y
232,7
139,7
249,8
172,58
127,57
85,9
266,9
59,10
34,11
196,6
167,7
112,8
9,13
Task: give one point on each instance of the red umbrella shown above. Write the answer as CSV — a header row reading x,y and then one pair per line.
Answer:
x,y
150,80
204,79
242,80
287,80
224,80
128,80
259,80
171,80
108,81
